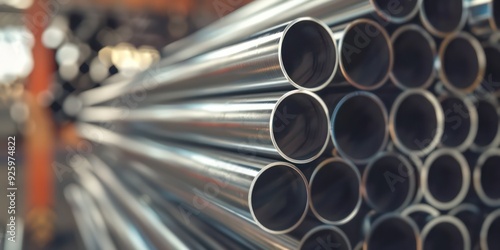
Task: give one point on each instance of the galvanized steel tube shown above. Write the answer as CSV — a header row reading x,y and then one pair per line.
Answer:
x,y
486,176
445,232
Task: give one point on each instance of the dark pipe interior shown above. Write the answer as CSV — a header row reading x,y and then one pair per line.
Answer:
x,y
416,122
392,234
444,236
490,177
487,123
413,59
493,235
360,127
300,126
496,12
445,178
461,63
402,9
386,188
492,74
443,15
366,54
325,238
309,54
335,191
457,124
279,198
473,221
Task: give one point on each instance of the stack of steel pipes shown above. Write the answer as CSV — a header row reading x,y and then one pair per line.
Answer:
x,y
328,124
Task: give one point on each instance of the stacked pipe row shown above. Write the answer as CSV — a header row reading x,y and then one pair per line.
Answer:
x,y
369,124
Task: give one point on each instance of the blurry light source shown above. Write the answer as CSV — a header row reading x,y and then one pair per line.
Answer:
x,y
67,54
98,71
52,37
68,72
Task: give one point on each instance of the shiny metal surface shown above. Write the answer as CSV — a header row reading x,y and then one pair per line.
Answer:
x,y
335,191
359,125
443,17
416,122
445,232
488,133
460,122
484,16
299,54
414,54
457,52
421,214
292,125
243,181
387,228
325,237
388,182
486,176
490,230
445,168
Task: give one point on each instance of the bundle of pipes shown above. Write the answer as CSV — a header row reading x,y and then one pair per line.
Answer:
x,y
335,124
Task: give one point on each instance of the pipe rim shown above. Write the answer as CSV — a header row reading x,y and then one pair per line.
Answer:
x,y
355,210
397,20
420,208
334,49
496,139
331,228
318,103
477,174
378,102
480,56
413,226
439,120
432,46
439,33
483,235
465,172
450,220
304,184
386,37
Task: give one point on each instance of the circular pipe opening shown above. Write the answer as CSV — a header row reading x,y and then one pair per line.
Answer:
x,y
490,231
444,16
300,126
416,122
359,126
414,55
392,232
278,198
308,54
445,179
397,12
421,214
463,62
331,236
492,67
445,232
488,125
366,56
389,183
335,192
460,124
472,217
487,176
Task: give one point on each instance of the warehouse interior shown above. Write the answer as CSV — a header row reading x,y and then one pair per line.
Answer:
x,y
240,124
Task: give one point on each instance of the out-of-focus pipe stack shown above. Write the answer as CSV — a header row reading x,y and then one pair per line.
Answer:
x,y
332,124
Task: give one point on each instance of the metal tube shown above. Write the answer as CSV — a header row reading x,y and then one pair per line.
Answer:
x,y
486,176
328,237
491,82
460,122
445,232
273,194
414,55
331,12
391,231
388,182
443,17
462,62
488,133
490,230
293,125
334,187
484,16
445,168
359,125
472,217
299,54
416,122
421,214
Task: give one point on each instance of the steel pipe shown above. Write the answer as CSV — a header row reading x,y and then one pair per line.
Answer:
x,y
414,55
460,122
445,178
391,231
484,16
445,232
325,236
389,182
486,176
293,126
472,217
491,82
443,17
462,62
490,230
421,214
488,133
246,181
358,124
334,187
416,122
